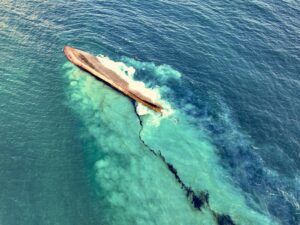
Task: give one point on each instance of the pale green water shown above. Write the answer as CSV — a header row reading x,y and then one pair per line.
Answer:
x,y
231,73
133,183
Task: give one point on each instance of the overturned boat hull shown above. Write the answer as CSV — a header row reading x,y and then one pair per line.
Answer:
x,y
91,64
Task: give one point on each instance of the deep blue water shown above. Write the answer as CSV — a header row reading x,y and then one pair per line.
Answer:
x,y
239,64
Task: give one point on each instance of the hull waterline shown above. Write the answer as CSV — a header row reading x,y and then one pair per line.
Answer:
x,y
91,64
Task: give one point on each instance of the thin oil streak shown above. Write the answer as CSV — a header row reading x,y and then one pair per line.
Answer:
x,y
198,201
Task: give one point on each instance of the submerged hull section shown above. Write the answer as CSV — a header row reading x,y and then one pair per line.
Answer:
x,y
91,64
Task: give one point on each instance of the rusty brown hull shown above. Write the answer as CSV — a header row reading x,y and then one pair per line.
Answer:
x,y
91,64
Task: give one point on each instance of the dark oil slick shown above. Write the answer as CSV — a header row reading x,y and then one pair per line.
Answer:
x,y
73,151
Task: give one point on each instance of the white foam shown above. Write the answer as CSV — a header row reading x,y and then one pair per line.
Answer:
x,y
141,109
161,72
127,73
155,118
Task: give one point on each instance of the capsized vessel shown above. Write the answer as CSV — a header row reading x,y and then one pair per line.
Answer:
x,y
91,64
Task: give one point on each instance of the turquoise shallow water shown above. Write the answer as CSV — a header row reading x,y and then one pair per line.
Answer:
x,y
73,151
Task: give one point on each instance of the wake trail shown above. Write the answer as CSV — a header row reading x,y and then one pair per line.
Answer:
x,y
198,200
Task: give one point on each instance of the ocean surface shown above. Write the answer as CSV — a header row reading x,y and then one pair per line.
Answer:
x,y
74,151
